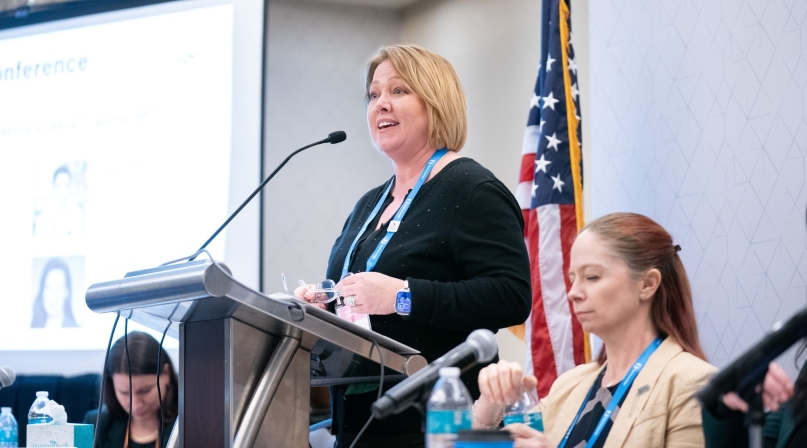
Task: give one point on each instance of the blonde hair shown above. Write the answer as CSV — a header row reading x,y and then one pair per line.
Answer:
x,y
433,79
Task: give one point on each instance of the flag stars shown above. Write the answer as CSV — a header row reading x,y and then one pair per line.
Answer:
x,y
541,126
572,66
575,92
541,164
557,183
553,141
534,101
549,62
550,101
534,189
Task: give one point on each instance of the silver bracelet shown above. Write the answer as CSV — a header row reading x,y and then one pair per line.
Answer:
x,y
483,424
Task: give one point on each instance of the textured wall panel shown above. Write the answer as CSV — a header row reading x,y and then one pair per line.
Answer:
x,y
698,121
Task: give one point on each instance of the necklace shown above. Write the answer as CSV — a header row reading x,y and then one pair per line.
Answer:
x,y
141,440
611,383
145,439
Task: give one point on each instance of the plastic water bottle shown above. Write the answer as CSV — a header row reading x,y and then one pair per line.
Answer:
x,y
523,410
34,417
8,429
448,409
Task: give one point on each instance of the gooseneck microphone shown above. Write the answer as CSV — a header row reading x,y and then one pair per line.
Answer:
x,y
333,138
7,376
745,373
480,347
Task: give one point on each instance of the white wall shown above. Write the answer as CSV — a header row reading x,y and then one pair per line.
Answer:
x,y
699,122
495,47
317,53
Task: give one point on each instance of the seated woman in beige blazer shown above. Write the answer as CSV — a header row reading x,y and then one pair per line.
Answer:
x,y
628,287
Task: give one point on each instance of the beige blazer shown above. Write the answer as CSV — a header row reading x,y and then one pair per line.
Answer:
x,y
659,410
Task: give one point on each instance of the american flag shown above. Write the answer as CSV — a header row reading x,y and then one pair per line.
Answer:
x,y
550,192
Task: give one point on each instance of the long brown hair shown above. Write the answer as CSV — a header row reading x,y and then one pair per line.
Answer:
x,y
643,244
143,358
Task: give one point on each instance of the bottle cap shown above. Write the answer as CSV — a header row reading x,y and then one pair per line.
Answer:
x,y
5,410
449,372
42,393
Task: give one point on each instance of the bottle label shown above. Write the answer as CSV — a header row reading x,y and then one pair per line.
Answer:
x,y
534,420
448,421
39,419
8,436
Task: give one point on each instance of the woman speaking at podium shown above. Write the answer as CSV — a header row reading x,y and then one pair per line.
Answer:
x,y
629,287
442,234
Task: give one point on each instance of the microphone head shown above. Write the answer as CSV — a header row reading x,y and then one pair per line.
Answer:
x,y
7,376
383,408
484,345
337,137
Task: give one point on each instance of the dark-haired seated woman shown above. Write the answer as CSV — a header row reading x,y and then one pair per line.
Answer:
x,y
142,427
629,287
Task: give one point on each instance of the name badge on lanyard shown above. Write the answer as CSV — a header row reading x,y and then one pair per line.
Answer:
x,y
395,223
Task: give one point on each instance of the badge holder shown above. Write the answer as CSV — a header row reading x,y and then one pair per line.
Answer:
x,y
346,313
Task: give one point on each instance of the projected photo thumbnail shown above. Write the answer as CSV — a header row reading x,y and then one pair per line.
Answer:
x,y
61,198
59,279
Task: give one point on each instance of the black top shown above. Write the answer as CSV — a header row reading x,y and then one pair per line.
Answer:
x,y
799,437
133,444
112,431
597,401
461,247
725,428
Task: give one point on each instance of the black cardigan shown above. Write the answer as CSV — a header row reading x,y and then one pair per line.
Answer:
x,y
461,247
112,431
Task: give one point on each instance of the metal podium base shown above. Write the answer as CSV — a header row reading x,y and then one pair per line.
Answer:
x,y
224,363
245,360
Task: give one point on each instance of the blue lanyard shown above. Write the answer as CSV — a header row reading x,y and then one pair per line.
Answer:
x,y
396,220
620,392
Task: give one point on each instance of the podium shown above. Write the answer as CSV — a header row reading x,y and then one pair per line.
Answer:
x,y
247,360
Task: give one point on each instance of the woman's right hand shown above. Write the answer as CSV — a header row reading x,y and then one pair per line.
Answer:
x,y
499,384
503,382
305,294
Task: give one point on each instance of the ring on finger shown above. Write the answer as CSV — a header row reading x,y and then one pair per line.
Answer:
x,y
350,300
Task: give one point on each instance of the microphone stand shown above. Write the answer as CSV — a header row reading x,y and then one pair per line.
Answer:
x,y
333,138
746,375
756,418
422,406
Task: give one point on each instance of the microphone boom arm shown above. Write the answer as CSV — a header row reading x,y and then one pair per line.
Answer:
x,y
333,138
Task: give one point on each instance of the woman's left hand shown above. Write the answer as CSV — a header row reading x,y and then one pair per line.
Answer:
x,y
373,293
526,437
